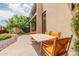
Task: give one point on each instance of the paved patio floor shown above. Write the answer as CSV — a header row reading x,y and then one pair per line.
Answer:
x,y
22,47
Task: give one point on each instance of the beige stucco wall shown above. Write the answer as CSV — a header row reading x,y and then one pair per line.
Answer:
x,y
58,17
39,18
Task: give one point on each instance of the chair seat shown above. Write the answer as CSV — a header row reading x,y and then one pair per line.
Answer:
x,y
48,49
55,34
59,47
50,42
34,32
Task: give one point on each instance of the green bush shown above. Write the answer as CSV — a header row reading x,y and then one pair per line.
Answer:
x,y
33,22
21,22
3,30
75,28
76,44
4,36
75,23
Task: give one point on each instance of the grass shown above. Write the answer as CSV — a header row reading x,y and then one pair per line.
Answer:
x,y
4,36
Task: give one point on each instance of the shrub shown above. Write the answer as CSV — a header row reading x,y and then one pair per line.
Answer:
x,y
33,22
76,44
75,28
3,30
4,36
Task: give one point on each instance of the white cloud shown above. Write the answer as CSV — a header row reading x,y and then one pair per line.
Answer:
x,y
22,9
17,8
4,15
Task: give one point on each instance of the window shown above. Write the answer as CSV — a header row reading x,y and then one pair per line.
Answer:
x,y
44,22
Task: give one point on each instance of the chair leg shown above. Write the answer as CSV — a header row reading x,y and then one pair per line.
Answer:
x,y
66,54
41,54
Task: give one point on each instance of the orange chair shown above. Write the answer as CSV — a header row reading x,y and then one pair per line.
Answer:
x,y
48,33
56,34
34,32
58,48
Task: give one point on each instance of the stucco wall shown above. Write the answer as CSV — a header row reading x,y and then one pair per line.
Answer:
x,y
39,18
58,17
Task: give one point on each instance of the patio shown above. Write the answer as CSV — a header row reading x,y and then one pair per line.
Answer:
x,y
24,47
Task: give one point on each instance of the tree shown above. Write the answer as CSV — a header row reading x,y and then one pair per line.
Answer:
x,y
33,22
21,22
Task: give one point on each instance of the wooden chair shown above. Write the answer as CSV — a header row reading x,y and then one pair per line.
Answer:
x,y
33,32
58,48
47,33
56,34
50,41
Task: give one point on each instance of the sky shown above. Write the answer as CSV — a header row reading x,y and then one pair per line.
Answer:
x,y
7,10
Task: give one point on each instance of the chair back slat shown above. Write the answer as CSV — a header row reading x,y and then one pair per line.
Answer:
x,y
55,34
61,45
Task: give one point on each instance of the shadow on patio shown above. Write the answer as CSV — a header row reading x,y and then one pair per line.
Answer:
x,y
36,46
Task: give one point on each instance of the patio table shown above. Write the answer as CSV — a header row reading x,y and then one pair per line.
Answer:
x,y
41,38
